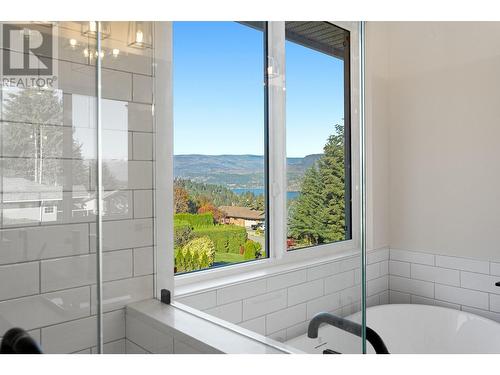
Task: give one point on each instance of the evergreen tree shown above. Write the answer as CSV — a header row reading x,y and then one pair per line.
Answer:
x,y
332,171
34,138
318,214
306,220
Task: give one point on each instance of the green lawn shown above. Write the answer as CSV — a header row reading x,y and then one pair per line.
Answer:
x,y
229,257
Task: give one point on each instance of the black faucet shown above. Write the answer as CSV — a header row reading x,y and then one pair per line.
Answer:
x,y
346,325
18,341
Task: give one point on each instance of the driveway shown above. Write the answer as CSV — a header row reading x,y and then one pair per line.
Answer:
x,y
252,236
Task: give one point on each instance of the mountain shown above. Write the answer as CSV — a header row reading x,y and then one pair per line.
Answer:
x,y
236,171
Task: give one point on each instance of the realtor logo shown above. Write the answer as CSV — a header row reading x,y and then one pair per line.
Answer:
x,y
28,55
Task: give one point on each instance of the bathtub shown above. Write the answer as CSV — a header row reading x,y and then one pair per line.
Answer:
x,y
415,329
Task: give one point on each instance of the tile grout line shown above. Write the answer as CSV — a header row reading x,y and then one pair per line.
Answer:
x,y
39,277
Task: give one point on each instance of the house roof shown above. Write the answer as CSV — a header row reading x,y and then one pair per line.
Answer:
x,y
20,189
321,36
242,212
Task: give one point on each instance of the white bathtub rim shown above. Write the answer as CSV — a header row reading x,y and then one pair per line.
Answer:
x,y
449,331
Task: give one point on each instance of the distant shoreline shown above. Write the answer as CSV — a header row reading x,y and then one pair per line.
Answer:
x,y
260,191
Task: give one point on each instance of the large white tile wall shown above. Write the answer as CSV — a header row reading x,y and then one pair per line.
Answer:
x,y
460,283
280,306
47,268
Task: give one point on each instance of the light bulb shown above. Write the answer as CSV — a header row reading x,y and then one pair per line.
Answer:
x,y
139,37
72,43
115,52
86,52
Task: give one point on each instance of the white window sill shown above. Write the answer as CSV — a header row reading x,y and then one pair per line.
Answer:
x,y
295,260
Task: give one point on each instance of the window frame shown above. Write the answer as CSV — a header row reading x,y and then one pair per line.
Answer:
x,y
264,29
276,185
347,143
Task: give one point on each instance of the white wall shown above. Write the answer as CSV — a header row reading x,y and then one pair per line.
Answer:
x,y
377,134
444,132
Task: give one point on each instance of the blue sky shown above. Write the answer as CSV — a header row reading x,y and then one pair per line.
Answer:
x,y
219,94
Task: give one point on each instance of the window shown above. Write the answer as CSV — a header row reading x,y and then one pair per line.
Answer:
x,y
317,134
229,102
48,210
219,144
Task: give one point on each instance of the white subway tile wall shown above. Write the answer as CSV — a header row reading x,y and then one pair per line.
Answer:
x,y
306,292
257,325
411,286
47,222
464,264
132,348
232,312
26,285
145,336
285,318
240,291
280,306
453,282
202,301
264,304
412,257
399,268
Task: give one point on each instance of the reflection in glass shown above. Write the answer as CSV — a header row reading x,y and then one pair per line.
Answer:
x,y
46,177
33,148
140,34
48,165
43,159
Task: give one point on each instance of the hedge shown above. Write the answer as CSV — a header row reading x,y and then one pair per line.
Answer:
x,y
226,238
252,250
197,254
196,220
181,223
182,233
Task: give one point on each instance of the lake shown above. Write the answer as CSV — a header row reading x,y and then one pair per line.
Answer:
x,y
260,191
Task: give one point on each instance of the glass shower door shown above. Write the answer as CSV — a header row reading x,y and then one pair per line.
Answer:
x,y
76,178
127,131
48,199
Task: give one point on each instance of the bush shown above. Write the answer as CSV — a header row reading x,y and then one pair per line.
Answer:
x,y
252,250
196,220
182,233
179,223
195,255
210,208
226,238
